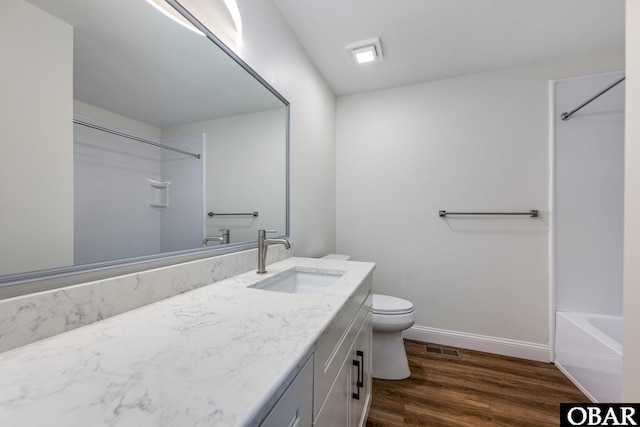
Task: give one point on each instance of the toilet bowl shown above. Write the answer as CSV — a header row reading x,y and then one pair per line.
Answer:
x,y
391,316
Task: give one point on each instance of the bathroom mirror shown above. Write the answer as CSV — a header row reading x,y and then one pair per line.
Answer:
x,y
143,137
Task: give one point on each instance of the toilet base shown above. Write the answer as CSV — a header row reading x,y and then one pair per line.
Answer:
x,y
389,357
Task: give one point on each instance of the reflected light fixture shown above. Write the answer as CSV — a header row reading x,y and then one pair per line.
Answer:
x,y
365,51
168,11
234,11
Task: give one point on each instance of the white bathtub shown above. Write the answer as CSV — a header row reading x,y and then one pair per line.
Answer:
x,y
589,352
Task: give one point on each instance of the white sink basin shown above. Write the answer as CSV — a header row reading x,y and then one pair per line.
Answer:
x,y
299,281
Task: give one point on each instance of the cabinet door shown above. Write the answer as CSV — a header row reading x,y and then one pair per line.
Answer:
x,y
294,409
361,375
335,411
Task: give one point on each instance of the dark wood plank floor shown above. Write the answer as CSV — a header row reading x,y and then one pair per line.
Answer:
x,y
473,389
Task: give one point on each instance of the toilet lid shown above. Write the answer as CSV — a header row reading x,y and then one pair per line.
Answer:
x,y
386,304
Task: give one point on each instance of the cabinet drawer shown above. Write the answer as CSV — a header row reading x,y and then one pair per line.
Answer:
x,y
294,407
335,410
330,355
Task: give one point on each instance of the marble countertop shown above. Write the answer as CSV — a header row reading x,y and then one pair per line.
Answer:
x,y
219,355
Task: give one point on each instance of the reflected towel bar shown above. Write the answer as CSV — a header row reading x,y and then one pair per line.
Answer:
x,y
532,213
254,214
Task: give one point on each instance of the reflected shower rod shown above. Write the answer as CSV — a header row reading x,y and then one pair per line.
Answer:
x,y
567,116
135,138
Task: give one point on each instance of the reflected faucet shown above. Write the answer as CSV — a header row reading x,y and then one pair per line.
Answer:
x,y
263,245
224,239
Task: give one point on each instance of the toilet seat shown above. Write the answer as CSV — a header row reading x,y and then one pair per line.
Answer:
x,y
388,305
392,322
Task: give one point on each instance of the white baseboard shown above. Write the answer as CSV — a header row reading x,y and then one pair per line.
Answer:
x,y
575,382
502,346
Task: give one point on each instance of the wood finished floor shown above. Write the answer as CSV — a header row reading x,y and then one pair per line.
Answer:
x,y
473,389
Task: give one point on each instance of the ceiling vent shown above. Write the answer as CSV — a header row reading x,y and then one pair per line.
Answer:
x,y
365,51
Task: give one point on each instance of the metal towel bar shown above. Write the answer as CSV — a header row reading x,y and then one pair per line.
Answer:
x,y
532,213
254,214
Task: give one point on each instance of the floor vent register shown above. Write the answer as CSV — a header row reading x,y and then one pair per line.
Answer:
x,y
442,351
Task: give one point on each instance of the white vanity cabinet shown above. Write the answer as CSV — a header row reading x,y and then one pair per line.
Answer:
x,y
342,366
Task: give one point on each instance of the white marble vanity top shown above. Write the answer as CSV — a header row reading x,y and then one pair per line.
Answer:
x,y
216,356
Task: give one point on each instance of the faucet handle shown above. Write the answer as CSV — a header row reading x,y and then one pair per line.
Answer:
x,y
262,234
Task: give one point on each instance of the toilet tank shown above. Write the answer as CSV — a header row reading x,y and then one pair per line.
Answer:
x,y
337,257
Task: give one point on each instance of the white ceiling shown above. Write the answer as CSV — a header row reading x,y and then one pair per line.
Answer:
x,y
131,60
424,40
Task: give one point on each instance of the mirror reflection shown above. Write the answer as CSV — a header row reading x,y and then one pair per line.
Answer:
x,y
146,138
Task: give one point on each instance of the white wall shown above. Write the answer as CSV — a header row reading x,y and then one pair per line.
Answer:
x,y
182,221
237,147
87,110
111,176
36,153
271,49
631,367
474,143
111,181
589,195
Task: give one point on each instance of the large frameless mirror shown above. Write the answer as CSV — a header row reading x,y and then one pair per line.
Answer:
x,y
130,138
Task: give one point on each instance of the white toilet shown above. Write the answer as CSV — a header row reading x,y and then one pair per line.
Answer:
x,y
391,316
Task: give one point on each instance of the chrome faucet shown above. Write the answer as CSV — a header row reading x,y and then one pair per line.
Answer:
x,y
263,245
212,239
224,239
